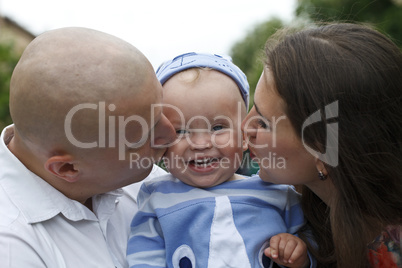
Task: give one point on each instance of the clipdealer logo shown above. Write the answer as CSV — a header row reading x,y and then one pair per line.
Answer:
x,y
115,127
122,122
331,147
330,156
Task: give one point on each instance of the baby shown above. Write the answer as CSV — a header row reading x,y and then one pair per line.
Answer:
x,y
203,214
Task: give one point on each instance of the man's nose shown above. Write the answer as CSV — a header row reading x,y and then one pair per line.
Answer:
x,y
164,133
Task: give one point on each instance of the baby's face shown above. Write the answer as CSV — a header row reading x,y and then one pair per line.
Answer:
x,y
206,113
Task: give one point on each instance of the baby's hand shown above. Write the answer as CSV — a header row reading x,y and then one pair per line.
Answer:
x,y
287,250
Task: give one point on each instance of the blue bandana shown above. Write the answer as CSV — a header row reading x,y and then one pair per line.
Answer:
x,y
213,61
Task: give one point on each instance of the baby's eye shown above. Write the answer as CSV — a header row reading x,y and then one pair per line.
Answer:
x,y
217,127
181,131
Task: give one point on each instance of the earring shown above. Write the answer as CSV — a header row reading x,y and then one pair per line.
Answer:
x,y
322,176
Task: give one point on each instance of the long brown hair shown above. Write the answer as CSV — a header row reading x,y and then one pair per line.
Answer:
x,y
361,69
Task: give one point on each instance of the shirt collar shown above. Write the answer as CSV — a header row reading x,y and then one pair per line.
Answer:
x,y
36,199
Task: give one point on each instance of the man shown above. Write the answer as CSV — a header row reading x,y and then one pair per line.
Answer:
x,y
82,103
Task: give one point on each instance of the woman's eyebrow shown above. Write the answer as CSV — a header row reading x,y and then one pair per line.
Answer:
x,y
263,117
258,111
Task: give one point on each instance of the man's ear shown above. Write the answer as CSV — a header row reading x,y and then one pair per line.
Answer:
x,y
63,167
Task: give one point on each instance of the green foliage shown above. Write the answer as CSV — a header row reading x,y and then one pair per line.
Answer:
x,y
385,15
8,60
248,53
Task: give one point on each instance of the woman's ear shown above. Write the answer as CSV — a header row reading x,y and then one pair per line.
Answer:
x,y
321,167
63,167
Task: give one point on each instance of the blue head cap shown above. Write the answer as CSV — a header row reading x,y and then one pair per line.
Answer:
x,y
213,61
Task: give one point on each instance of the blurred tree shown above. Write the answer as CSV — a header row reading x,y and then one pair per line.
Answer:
x,y
8,60
385,15
248,53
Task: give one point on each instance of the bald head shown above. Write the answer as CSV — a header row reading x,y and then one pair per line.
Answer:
x,y
63,68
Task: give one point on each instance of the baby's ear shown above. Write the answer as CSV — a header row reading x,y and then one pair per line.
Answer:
x,y
244,143
63,167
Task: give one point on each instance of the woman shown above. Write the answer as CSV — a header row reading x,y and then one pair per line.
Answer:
x,y
329,106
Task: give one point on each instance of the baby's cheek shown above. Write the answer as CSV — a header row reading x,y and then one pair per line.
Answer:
x,y
226,139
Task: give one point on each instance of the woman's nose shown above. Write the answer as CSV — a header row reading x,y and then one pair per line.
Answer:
x,y
248,125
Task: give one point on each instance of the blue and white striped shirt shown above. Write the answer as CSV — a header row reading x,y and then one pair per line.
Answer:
x,y
222,226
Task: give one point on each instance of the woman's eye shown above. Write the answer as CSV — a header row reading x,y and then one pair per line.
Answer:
x,y
217,128
261,123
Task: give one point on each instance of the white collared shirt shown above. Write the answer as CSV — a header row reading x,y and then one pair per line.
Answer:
x,y
40,227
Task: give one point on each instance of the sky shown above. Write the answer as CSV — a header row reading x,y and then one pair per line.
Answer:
x,y
161,29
